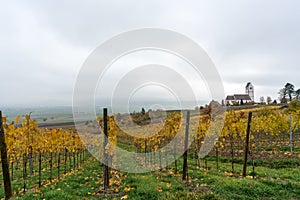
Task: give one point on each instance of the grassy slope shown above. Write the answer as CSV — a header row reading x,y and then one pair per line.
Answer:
x,y
212,184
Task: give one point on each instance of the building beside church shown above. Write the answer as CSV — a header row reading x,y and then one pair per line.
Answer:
x,y
241,98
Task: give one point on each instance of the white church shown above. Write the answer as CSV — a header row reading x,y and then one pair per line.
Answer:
x,y
241,98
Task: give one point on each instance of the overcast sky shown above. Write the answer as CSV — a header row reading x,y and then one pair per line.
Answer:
x,y
43,44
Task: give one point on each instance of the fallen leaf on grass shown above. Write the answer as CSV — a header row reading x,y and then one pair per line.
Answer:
x,y
38,191
228,174
126,189
158,188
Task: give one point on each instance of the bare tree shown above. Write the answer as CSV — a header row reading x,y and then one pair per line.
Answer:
x,y
262,100
269,100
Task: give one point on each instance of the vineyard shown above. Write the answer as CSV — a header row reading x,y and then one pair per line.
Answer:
x,y
39,157
274,136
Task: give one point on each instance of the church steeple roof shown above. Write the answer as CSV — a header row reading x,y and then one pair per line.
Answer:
x,y
248,84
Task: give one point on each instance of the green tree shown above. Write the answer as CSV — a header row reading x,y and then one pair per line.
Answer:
x,y
290,90
297,94
143,111
286,93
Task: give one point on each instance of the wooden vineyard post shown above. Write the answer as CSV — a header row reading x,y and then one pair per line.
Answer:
x,y
232,151
217,154
145,152
77,157
24,171
185,164
30,161
70,161
167,162
105,156
30,147
291,133
247,144
51,165
80,156
4,161
65,161
160,163
83,155
58,166
175,142
74,152
253,165
74,160
40,168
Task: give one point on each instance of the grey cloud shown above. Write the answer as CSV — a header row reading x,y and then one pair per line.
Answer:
x,y
44,43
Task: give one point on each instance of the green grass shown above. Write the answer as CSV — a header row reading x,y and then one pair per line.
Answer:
x,y
203,184
275,164
270,184
78,185
32,180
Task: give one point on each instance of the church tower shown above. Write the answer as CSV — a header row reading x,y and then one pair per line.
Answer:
x,y
250,90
